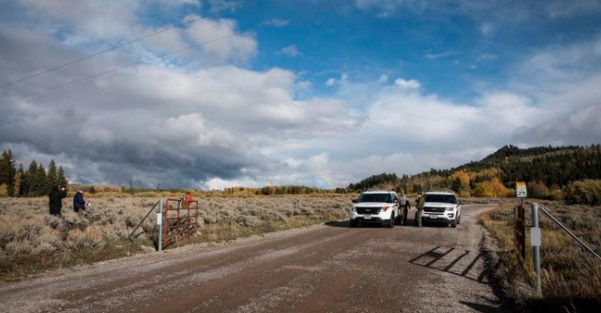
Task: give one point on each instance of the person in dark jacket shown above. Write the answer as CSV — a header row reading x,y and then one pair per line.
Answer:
x,y
78,201
55,199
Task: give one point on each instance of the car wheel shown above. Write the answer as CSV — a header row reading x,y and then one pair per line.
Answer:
x,y
459,219
391,222
454,224
353,223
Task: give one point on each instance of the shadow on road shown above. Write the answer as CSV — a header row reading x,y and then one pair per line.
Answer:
x,y
492,308
453,261
344,224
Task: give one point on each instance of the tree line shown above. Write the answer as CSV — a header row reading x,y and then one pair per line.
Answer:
x,y
549,172
36,181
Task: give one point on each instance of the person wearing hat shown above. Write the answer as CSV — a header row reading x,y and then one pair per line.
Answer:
x,y
78,201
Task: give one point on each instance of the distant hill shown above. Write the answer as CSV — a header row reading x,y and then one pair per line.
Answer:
x,y
546,170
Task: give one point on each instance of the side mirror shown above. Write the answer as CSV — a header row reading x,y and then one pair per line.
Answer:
x,y
458,201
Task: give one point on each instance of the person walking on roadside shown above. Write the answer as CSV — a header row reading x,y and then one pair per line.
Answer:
x,y
55,200
419,205
79,204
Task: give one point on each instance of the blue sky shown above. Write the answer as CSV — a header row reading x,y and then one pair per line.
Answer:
x,y
318,93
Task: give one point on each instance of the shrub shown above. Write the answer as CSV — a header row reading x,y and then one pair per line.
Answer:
x,y
586,192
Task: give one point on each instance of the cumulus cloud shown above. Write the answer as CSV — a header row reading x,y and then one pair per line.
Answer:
x,y
206,118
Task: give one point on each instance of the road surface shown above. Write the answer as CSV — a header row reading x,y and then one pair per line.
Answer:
x,y
322,268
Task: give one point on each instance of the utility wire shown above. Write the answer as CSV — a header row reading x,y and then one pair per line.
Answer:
x,y
123,67
139,62
191,21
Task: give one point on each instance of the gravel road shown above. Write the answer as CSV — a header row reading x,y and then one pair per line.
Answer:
x,y
322,268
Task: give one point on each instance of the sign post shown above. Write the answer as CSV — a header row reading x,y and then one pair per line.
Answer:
x,y
535,240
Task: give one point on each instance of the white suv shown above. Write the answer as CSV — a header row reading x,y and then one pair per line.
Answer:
x,y
376,207
442,207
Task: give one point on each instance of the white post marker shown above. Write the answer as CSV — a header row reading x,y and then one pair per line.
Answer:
x,y
535,236
159,219
521,190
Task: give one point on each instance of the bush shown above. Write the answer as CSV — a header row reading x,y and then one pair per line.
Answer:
x,y
587,192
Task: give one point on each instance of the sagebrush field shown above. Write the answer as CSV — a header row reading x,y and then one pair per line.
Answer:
x,y
31,240
570,276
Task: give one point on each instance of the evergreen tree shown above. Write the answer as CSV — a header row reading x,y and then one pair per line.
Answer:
x,y
23,185
7,172
44,188
32,179
52,176
61,180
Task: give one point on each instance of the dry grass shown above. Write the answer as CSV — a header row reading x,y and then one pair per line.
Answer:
x,y
570,277
31,240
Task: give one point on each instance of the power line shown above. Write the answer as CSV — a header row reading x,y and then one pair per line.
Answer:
x,y
122,67
75,81
191,21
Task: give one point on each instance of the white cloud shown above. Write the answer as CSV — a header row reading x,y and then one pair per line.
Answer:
x,y
410,84
220,43
207,117
290,51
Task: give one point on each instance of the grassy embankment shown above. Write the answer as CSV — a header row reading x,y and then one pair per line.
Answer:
x,y
570,276
32,241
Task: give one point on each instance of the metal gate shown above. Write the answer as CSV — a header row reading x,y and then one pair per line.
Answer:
x,y
519,231
180,221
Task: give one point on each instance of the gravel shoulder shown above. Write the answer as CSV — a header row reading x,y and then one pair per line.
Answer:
x,y
322,268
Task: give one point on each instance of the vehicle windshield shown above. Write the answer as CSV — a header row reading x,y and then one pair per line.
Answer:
x,y
441,198
375,197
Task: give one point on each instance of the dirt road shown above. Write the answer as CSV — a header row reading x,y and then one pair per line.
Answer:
x,y
323,268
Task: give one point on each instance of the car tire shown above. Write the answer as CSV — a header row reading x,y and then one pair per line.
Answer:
x,y
459,219
353,223
391,221
454,224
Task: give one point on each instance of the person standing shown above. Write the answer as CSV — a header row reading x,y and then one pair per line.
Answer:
x,y
186,200
78,201
419,205
405,205
55,199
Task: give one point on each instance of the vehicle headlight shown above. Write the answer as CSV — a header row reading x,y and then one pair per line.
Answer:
x,y
354,209
450,209
384,208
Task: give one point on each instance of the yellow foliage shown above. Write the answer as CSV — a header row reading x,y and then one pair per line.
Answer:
x,y
3,190
463,177
499,189
484,189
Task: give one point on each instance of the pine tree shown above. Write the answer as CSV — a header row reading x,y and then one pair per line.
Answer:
x,y
44,188
32,179
52,176
61,180
23,184
7,172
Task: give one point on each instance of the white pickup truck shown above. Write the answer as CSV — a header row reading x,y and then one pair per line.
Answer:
x,y
376,207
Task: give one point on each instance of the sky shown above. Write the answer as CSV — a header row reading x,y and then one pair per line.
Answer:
x,y
210,94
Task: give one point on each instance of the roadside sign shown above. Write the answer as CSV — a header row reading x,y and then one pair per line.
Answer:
x,y
159,219
521,190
